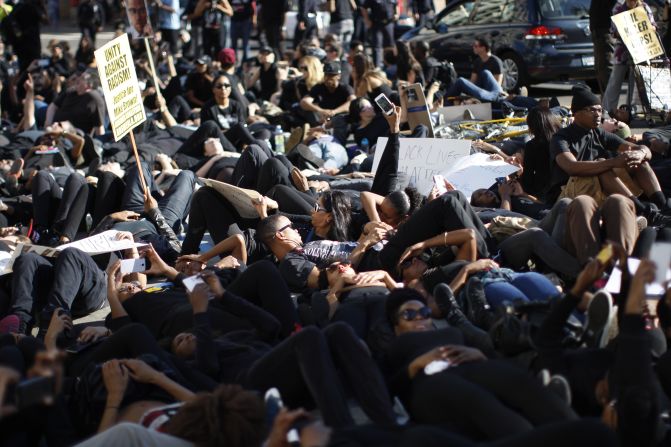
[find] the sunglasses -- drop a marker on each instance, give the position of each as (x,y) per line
(411,314)
(222,86)
(317,208)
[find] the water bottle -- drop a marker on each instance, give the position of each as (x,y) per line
(279,140)
(365,145)
(89,222)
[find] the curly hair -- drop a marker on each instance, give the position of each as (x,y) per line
(227,417)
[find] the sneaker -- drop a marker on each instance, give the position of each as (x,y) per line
(560,386)
(599,318)
(641,223)
(10,324)
(296,137)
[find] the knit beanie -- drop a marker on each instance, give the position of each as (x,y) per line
(583,97)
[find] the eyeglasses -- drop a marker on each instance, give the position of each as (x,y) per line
(289,225)
(303,68)
(594,109)
(222,86)
(317,208)
(411,314)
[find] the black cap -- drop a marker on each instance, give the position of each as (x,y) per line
(265,49)
(583,97)
(204,60)
(332,68)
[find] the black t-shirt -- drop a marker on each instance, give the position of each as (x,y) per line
(242,9)
(493,64)
(381,11)
(269,82)
(225,117)
(585,145)
(295,269)
(213,18)
(343,11)
(272,11)
(330,100)
(536,172)
(376,128)
(201,86)
(85,111)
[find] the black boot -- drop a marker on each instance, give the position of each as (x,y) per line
(479,311)
(448,306)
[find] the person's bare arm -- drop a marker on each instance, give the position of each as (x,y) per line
(308,104)
(225,7)
(51,111)
(469,269)
(235,245)
(203,170)
(313,279)
(344,107)
(568,163)
(369,203)
(252,77)
(499,78)
(116,309)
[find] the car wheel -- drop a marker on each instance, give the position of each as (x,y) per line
(514,71)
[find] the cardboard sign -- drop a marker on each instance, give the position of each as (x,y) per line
(477,171)
(615,280)
(418,110)
(240,198)
(638,34)
(422,158)
(119,82)
(456,113)
(105,242)
(657,86)
(138,19)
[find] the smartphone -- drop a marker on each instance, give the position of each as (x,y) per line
(36,391)
(660,254)
(191,282)
(439,181)
(383,102)
(133,265)
(605,255)
(43,63)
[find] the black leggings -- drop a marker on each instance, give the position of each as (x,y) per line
(262,284)
(108,195)
(62,211)
(485,400)
(210,211)
(304,366)
(258,169)
(449,212)
(292,201)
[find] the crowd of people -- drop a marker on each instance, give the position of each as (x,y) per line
(445,319)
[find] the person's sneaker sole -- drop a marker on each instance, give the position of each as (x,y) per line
(599,318)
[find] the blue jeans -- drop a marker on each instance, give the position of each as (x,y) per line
(528,286)
(486,90)
(241,29)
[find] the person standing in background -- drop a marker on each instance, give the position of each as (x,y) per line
(271,17)
(379,17)
(306,25)
(242,21)
(342,20)
(169,23)
(599,25)
(422,11)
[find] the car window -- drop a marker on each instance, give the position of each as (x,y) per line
(488,11)
(515,11)
(459,15)
(554,9)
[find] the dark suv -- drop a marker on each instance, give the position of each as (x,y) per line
(538,40)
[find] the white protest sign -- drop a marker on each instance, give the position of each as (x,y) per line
(638,34)
(456,113)
(240,198)
(422,158)
(477,171)
(615,279)
(105,242)
(120,87)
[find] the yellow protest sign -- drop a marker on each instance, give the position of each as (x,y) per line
(119,82)
(638,34)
